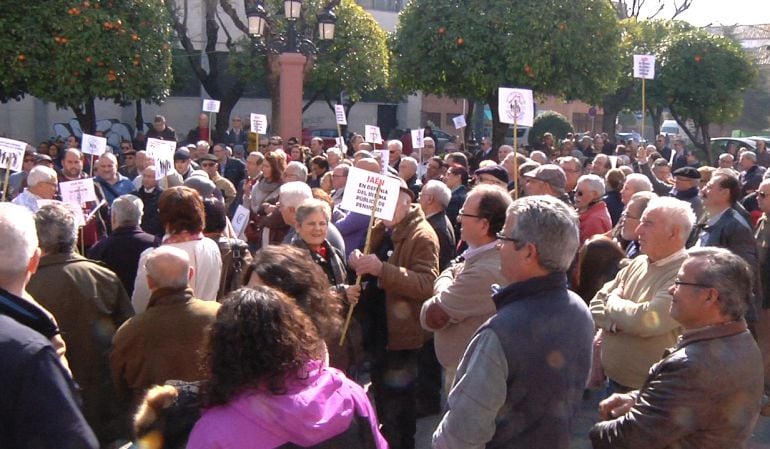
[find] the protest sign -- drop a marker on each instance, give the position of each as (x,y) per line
(382,158)
(418,138)
(258,123)
(459,121)
(644,66)
(162,152)
(360,190)
(240,219)
(372,134)
(93,145)
(210,105)
(78,192)
(339,112)
(11,154)
(516,106)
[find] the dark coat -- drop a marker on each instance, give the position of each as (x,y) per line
(235,171)
(120,252)
(455,204)
(167,134)
(446,238)
(151,219)
(704,394)
(90,303)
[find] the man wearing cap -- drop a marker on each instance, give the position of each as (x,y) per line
(400,273)
(129,168)
(160,130)
(210,165)
(686,184)
(492,174)
(548,179)
(182,163)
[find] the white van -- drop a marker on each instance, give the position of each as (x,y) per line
(672,128)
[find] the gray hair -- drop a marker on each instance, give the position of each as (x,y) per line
(426,139)
(439,190)
(750,155)
(729,275)
(334,150)
(18,240)
(300,168)
(638,182)
(409,161)
(676,213)
(127,210)
(595,183)
(397,143)
(256,155)
(56,229)
(110,157)
(293,193)
(168,266)
(726,156)
(344,168)
(311,206)
(539,220)
(39,174)
(202,143)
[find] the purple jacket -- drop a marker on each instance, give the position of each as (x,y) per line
(312,411)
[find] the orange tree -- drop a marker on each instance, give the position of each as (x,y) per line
(74,52)
(469,48)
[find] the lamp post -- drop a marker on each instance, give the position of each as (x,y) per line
(293,51)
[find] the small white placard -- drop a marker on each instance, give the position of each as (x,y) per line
(93,145)
(382,156)
(339,112)
(516,106)
(418,136)
(78,192)
(241,219)
(360,191)
(372,134)
(258,123)
(11,152)
(162,152)
(644,66)
(459,121)
(341,144)
(210,105)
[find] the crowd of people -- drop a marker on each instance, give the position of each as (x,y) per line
(507,288)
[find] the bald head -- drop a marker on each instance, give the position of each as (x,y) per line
(168,266)
(369,164)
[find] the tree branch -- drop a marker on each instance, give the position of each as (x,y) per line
(312,100)
(228,8)
(679,9)
(212,36)
(181,31)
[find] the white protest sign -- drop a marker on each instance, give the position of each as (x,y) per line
(162,152)
(360,190)
(78,192)
(93,145)
(372,134)
(339,112)
(240,219)
(418,138)
(210,105)
(341,144)
(77,212)
(516,105)
(258,123)
(11,152)
(382,157)
(459,121)
(644,66)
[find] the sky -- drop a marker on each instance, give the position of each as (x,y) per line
(716,12)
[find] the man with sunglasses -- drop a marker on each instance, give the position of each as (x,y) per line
(706,390)
(522,377)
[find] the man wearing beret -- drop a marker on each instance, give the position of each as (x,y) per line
(210,164)
(686,183)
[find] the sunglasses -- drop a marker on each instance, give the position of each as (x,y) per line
(209,164)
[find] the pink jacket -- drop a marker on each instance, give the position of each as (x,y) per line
(313,410)
(595,220)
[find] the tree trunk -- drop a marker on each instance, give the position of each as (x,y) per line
(468,129)
(498,129)
(656,114)
(86,117)
(609,118)
(139,120)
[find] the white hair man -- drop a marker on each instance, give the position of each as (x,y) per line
(521,379)
(42,184)
(706,389)
(291,195)
(426,153)
(120,251)
(407,170)
(173,327)
(334,156)
(630,219)
(751,173)
(404,263)
(80,292)
(39,396)
(461,302)
(433,199)
(632,311)
(295,171)
(635,182)
(395,149)
(594,216)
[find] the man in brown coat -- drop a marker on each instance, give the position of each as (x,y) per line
(404,265)
(90,303)
(163,342)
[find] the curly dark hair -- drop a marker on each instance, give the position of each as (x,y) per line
(290,270)
(260,340)
(181,209)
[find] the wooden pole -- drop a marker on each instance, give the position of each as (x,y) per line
(367,249)
(641,132)
(7,178)
(516,155)
(91,167)
(210,115)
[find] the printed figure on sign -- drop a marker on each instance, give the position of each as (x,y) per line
(7,159)
(516,103)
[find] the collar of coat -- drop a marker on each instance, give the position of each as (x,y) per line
(167,296)
(404,229)
(530,287)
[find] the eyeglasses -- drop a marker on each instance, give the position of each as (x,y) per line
(680,283)
(504,238)
(208,164)
(463,214)
(762,194)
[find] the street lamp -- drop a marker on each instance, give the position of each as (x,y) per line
(292,50)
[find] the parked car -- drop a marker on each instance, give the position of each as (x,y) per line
(327,134)
(719,145)
(522,134)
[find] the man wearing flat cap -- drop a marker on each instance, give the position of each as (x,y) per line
(492,174)
(686,184)
(210,164)
(548,179)
(400,272)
